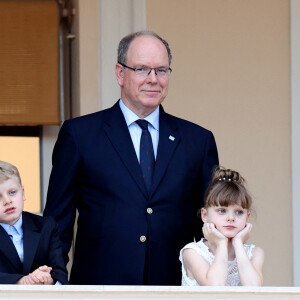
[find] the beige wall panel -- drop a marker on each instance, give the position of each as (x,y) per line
(24,153)
(231,74)
(86,61)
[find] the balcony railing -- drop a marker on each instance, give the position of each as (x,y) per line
(74,292)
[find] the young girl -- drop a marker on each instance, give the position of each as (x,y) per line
(221,257)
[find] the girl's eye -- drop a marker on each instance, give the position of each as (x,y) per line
(240,212)
(12,192)
(221,210)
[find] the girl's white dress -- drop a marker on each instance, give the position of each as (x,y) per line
(233,278)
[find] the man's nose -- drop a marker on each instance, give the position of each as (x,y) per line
(152,76)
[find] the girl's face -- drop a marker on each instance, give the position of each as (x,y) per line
(229,220)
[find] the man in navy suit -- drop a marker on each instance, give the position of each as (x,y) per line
(130,231)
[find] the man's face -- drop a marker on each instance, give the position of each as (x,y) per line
(144,94)
(11,201)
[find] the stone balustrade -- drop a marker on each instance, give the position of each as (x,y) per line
(74,292)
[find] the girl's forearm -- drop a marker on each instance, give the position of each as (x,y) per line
(248,274)
(218,272)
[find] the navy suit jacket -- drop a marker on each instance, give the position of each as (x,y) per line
(41,247)
(96,171)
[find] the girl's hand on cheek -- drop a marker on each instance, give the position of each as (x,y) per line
(212,234)
(243,235)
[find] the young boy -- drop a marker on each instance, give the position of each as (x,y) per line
(30,250)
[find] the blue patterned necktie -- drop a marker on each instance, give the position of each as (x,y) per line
(147,159)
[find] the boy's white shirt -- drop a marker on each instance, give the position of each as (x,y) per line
(16,234)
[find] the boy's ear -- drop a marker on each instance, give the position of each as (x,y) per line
(204,215)
(24,198)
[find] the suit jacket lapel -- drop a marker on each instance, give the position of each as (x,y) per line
(118,133)
(169,138)
(9,250)
(31,237)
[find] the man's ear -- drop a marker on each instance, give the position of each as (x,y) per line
(204,215)
(119,70)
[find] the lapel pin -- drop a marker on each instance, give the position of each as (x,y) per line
(171,138)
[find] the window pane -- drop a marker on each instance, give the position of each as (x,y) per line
(24,153)
(29,62)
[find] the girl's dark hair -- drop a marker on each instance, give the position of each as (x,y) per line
(227,187)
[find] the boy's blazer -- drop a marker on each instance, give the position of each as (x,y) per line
(41,247)
(96,170)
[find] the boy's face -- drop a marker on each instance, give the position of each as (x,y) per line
(11,200)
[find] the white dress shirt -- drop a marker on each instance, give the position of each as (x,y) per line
(136,131)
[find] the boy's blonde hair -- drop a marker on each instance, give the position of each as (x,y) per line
(8,170)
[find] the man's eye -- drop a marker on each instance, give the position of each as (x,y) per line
(141,70)
(161,71)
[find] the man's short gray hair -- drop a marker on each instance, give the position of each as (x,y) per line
(126,41)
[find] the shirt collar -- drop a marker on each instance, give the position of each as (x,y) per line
(131,117)
(17,226)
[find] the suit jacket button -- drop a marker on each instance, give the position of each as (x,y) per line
(142,238)
(149,210)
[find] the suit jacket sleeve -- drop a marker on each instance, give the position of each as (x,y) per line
(61,198)
(210,162)
(55,258)
(7,278)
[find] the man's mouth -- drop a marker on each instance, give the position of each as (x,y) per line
(151,91)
